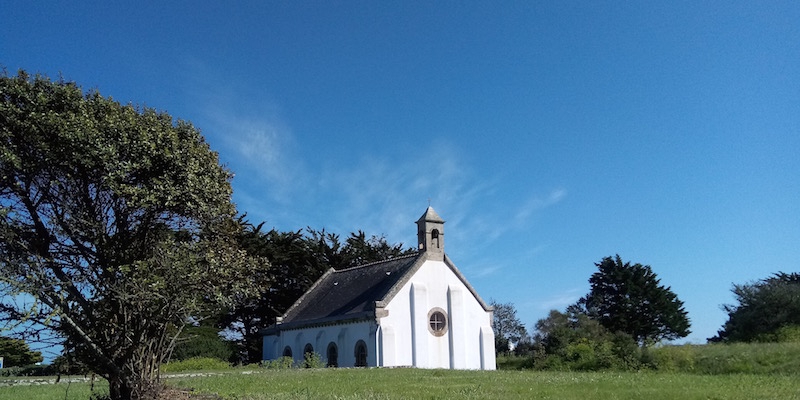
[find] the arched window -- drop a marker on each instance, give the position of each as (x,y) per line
(361,354)
(308,349)
(287,351)
(333,355)
(435,238)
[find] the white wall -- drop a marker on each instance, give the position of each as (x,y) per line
(469,342)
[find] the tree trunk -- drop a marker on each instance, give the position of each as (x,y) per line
(120,388)
(126,388)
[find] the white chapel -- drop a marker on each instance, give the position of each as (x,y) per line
(416,311)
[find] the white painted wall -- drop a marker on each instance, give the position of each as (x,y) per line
(403,338)
(344,335)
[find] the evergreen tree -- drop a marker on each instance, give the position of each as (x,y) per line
(630,299)
(17,353)
(767,310)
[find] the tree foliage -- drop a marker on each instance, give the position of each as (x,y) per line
(767,311)
(573,341)
(17,353)
(560,329)
(202,341)
(117,220)
(629,298)
(509,331)
(296,260)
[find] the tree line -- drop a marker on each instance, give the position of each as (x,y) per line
(296,259)
(628,310)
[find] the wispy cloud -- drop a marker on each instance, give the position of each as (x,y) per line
(560,301)
(260,146)
(484,271)
(501,222)
(378,193)
(253,140)
(537,203)
(384,195)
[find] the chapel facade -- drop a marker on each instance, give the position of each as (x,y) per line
(410,311)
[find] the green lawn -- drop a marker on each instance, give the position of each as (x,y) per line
(446,384)
(63,390)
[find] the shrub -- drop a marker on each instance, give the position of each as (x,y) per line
(513,362)
(280,363)
(312,360)
(29,370)
(11,371)
(785,334)
(202,342)
(581,356)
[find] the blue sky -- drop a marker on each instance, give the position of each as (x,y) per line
(547,134)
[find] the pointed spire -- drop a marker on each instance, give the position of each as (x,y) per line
(430,215)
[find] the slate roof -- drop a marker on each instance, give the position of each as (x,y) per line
(349,293)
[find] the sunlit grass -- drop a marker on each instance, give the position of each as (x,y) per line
(65,389)
(446,384)
(747,371)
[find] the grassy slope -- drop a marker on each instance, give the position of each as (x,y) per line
(446,384)
(759,358)
(742,371)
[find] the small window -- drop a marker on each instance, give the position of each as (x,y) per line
(361,354)
(437,322)
(333,355)
(308,349)
(435,238)
(287,351)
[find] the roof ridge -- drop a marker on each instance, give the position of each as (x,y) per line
(414,254)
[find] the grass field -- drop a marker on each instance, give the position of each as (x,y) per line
(739,371)
(39,391)
(445,384)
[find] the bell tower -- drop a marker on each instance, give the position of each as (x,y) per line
(430,234)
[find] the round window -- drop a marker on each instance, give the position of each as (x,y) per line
(437,321)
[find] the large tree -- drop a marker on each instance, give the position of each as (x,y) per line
(767,309)
(116,220)
(629,298)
